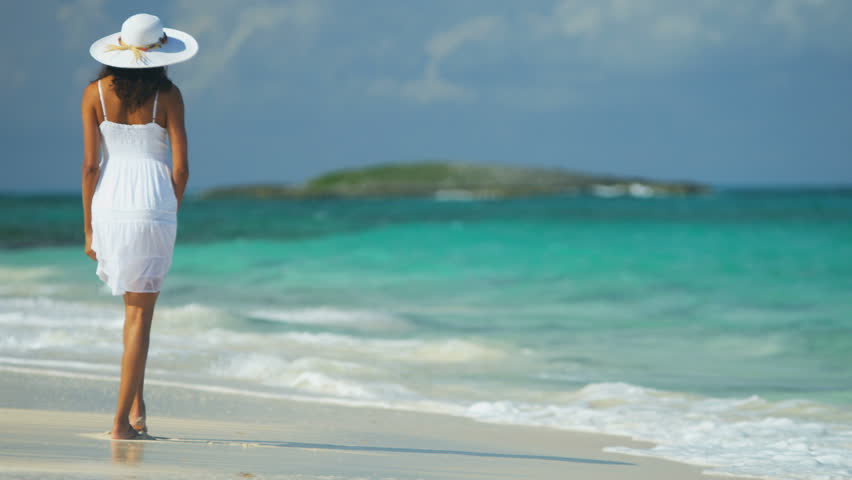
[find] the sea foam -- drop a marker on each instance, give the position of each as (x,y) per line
(736,436)
(330,316)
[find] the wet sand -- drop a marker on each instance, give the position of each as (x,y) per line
(54,427)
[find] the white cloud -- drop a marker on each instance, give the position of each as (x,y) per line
(443,44)
(427,89)
(576,20)
(630,33)
(267,17)
(431,86)
(227,29)
(664,33)
(800,18)
(83,22)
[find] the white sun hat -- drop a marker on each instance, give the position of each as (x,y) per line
(144,43)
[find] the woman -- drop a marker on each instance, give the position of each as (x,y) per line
(131,114)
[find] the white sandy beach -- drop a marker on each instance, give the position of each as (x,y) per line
(54,427)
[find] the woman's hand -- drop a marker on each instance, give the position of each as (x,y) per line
(88,249)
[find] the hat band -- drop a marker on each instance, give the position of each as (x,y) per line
(138,51)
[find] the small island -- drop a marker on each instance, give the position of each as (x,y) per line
(459,181)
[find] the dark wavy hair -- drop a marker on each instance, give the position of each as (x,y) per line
(134,86)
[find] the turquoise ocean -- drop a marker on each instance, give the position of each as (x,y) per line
(717,326)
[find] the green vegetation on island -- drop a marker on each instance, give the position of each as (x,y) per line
(451,180)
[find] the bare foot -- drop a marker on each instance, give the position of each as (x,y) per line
(139,424)
(137,417)
(124,432)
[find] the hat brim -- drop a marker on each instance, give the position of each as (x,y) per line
(180,47)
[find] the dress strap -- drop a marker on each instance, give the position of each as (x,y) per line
(101,93)
(156,96)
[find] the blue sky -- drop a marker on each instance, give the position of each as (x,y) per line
(725,92)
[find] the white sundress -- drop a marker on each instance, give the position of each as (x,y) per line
(134,209)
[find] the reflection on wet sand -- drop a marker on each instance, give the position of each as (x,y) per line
(128,453)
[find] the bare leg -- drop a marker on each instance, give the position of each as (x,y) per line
(138,314)
(137,410)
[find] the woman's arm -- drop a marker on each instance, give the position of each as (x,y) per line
(91,168)
(178,141)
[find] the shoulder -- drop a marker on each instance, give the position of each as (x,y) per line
(171,93)
(172,103)
(171,96)
(90,89)
(90,93)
